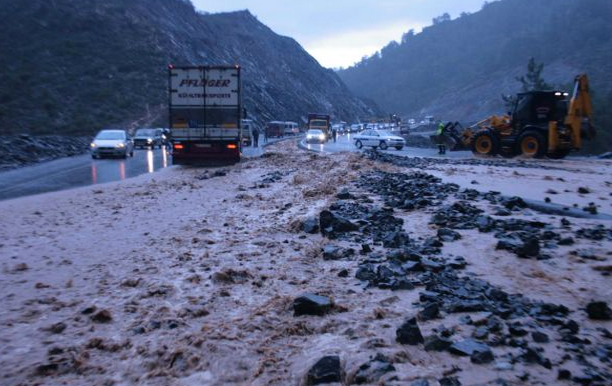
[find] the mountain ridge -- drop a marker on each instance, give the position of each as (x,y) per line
(74,67)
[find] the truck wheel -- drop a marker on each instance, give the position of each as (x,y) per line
(485,143)
(532,144)
(383,145)
(358,144)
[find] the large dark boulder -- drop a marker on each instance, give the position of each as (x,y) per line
(599,311)
(409,333)
(468,347)
(311,304)
(331,223)
(327,370)
(373,370)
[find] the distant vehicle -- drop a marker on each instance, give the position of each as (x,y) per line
(291,128)
(112,143)
(339,128)
(247,132)
(320,122)
(315,136)
(205,114)
(379,139)
(355,128)
(148,138)
(275,129)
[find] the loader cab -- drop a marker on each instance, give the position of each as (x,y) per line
(537,108)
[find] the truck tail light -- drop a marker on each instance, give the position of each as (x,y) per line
(178,146)
(232,146)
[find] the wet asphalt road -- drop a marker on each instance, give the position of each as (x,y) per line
(72,172)
(66,173)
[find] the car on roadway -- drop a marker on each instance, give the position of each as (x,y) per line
(148,138)
(315,136)
(112,143)
(379,139)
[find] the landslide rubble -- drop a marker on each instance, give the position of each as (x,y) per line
(297,269)
(497,327)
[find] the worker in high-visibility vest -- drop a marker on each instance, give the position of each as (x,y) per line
(441,138)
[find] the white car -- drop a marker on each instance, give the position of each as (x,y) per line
(379,138)
(112,143)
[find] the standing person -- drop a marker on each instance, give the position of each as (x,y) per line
(167,139)
(334,133)
(441,139)
(265,133)
(255,133)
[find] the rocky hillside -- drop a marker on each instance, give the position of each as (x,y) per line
(74,66)
(458,69)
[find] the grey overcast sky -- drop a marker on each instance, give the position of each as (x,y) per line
(339,33)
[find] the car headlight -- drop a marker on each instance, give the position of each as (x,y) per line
(93,145)
(120,145)
(322,136)
(149,140)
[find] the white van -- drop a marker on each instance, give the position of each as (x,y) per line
(291,128)
(247,132)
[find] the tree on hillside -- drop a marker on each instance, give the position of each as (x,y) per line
(441,19)
(533,80)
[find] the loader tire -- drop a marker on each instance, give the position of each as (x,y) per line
(532,144)
(485,143)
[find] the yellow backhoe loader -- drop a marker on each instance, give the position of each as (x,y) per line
(543,123)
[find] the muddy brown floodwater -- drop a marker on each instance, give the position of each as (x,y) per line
(187,277)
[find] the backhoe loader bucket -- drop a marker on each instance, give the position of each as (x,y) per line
(443,139)
(451,137)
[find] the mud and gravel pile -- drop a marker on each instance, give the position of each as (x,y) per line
(301,269)
(424,162)
(498,329)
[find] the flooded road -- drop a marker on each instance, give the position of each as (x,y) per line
(346,142)
(78,171)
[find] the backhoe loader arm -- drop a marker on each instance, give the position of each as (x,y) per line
(580,112)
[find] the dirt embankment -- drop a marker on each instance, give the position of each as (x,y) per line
(191,276)
(23,150)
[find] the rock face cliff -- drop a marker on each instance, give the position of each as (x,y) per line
(72,66)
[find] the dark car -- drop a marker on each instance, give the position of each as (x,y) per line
(148,138)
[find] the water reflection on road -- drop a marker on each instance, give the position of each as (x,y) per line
(103,171)
(77,171)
